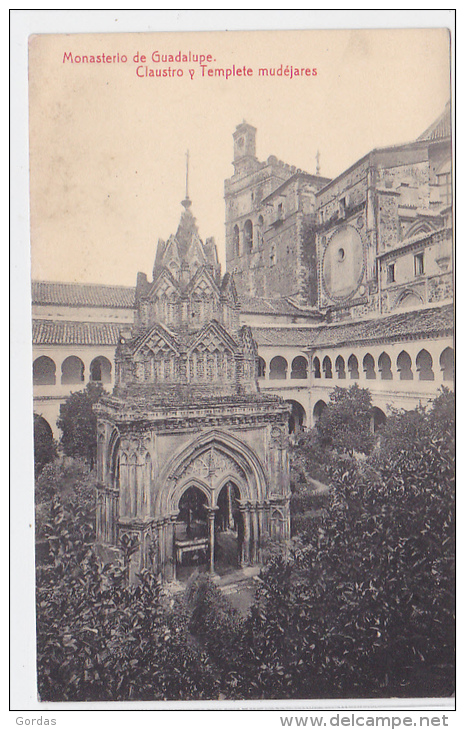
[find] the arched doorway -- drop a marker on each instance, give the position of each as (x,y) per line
(378,419)
(191,535)
(297,417)
(318,410)
(229,529)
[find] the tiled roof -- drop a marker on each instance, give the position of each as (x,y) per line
(284,336)
(395,327)
(82,295)
(48,332)
(258,305)
(440,128)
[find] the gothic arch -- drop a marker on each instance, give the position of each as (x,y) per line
(408,298)
(418,227)
(252,485)
(197,484)
(113,456)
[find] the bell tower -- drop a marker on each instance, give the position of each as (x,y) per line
(244,147)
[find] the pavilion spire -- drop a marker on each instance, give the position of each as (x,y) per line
(187,202)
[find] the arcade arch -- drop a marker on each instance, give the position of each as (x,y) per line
(446,362)
(340,368)
(43,371)
(299,368)
(72,370)
(318,409)
(424,363)
(278,368)
(404,366)
(352,366)
(100,370)
(297,418)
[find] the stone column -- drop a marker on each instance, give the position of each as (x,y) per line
(211,537)
(98,514)
(245,512)
(230,511)
(261,526)
(171,553)
(255,534)
(160,555)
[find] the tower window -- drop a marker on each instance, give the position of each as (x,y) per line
(248,235)
(419,263)
(343,204)
(236,241)
(280,212)
(391,273)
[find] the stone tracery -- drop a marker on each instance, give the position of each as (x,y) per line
(188,367)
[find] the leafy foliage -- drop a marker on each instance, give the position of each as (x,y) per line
(99,638)
(45,448)
(364,605)
(78,423)
(217,626)
(344,425)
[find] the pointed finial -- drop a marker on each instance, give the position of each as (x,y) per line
(317,157)
(187,201)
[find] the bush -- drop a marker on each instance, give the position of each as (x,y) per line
(216,625)
(78,423)
(309,460)
(99,638)
(345,424)
(69,481)
(45,447)
(364,606)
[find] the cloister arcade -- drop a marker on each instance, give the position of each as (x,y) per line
(72,371)
(57,372)
(308,379)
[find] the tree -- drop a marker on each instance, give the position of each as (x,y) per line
(364,606)
(78,423)
(345,424)
(99,638)
(45,449)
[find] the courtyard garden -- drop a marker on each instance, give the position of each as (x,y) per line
(360,603)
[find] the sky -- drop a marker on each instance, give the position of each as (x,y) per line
(108,142)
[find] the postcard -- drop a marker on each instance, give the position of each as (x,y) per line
(243,366)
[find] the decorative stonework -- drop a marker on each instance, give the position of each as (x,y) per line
(187,369)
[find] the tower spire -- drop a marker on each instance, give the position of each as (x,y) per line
(187,201)
(317,157)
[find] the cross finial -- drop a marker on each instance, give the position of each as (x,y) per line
(317,157)
(187,201)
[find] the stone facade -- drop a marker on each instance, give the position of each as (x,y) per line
(270,217)
(189,452)
(384,236)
